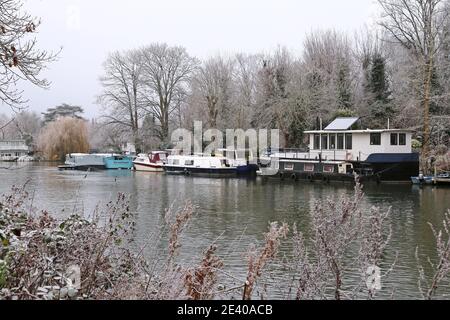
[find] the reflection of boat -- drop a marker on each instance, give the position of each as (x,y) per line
(117,162)
(152,162)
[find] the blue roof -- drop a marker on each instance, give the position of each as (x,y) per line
(342,124)
(393,157)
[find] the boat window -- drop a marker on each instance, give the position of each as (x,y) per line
(332,142)
(309,167)
(340,141)
(328,169)
(176,162)
(162,156)
(394,139)
(349,141)
(189,163)
(289,166)
(375,139)
(324,141)
(316,142)
(402,139)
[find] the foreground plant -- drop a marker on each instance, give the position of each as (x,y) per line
(77,258)
(340,230)
(257,260)
(441,269)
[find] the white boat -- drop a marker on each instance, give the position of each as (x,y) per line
(208,165)
(26,159)
(153,162)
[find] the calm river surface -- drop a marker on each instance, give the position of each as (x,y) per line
(235,212)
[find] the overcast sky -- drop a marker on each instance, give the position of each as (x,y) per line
(89,29)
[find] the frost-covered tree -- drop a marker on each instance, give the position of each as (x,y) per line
(20,58)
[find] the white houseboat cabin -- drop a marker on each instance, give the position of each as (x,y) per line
(338,152)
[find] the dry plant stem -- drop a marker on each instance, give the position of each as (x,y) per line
(258,260)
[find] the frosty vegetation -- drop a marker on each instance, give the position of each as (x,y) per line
(39,256)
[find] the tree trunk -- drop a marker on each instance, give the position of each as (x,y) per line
(426,112)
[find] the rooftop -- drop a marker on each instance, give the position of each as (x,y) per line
(342,124)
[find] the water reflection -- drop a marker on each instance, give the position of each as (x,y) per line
(236,212)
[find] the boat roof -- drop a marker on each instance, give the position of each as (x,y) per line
(342,124)
(359,131)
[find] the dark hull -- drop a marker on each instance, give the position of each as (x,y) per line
(221,172)
(82,168)
(379,168)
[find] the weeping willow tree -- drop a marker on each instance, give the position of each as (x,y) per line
(62,137)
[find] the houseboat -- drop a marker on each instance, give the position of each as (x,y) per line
(153,162)
(118,162)
(84,162)
(223,163)
(12,150)
(340,152)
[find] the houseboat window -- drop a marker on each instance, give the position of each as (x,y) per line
(309,167)
(340,141)
(349,141)
(332,141)
(176,162)
(375,139)
(289,166)
(324,142)
(316,142)
(394,139)
(402,139)
(328,169)
(189,163)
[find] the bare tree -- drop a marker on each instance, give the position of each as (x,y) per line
(329,73)
(213,82)
(122,92)
(245,79)
(417,25)
(166,73)
(19,57)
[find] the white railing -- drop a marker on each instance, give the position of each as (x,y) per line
(324,155)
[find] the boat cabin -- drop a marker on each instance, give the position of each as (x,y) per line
(340,143)
(341,150)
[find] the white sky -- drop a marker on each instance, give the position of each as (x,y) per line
(89,29)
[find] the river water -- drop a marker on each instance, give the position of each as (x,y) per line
(235,213)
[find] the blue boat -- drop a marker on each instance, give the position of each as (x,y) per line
(118,162)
